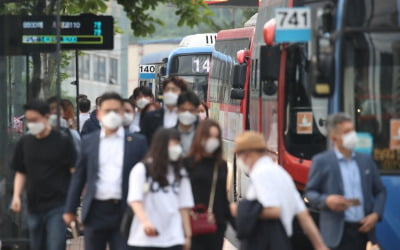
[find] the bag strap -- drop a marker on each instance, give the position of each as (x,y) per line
(213,188)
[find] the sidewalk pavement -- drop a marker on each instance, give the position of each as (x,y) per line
(77,244)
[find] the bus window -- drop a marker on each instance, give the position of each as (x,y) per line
(371,90)
(224,58)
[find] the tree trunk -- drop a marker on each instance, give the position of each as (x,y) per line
(36,82)
(49,70)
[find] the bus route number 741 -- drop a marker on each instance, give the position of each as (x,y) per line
(293,25)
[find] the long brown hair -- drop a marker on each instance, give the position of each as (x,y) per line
(197,151)
(157,159)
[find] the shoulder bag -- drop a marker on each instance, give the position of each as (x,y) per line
(202,219)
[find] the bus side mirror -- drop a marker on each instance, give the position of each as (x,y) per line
(270,58)
(237,94)
(322,68)
(239,75)
(239,79)
(163,71)
(322,64)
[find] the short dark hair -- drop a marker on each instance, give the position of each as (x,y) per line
(335,119)
(82,96)
(39,106)
(51,100)
(146,91)
(84,105)
(128,101)
(188,96)
(177,81)
(204,104)
(98,99)
(110,96)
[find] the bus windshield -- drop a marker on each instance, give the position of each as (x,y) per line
(305,133)
(371,92)
(373,14)
(197,84)
(194,68)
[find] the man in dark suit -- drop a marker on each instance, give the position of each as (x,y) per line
(166,117)
(92,124)
(346,187)
(106,159)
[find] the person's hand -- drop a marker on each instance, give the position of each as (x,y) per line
(337,203)
(322,247)
(16,204)
(233,208)
(149,229)
(368,222)
(68,218)
(188,243)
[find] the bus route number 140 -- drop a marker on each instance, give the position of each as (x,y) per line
(147,69)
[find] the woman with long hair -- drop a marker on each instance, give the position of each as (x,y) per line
(161,197)
(205,155)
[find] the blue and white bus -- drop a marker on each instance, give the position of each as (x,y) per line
(191,61)
(152,69)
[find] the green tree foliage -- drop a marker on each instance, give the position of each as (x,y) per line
(190,12)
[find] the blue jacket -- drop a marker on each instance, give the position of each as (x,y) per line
(88,166)
(325,179)
(92,124)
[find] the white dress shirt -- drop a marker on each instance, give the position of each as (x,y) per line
(83,117)
(170,117)
(111,154)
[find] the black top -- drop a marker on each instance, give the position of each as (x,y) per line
(46,163)
(152,120)
(201,175)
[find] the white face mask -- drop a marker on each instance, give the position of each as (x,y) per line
(242,165)
(211,145)
(112,120)
(142,102)
(128,119)
(170,98)
(174,152)
(350,140)
(187,118)
(53,121)
(36,128)
(202,116)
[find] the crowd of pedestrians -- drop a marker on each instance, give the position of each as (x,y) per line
(163,163)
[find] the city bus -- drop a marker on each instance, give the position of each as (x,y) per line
(349,63)
(191,61)
(152,69)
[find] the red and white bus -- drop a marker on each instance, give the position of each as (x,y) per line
(286,88)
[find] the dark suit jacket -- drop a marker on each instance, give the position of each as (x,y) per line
(325,179)
(258,234)
(92,124)
(88,167)
(151,122)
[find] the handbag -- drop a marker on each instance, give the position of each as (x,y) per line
(126,222)
(202,219)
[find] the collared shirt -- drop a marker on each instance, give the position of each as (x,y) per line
(351,186)
(82,119)
(272,186)
(136,121)
(186,139)
(170,117)
(111,154)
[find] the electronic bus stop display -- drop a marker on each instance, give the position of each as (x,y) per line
(191,64)
(26,34)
